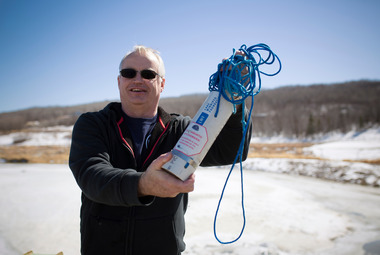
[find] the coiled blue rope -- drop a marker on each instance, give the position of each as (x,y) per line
(237,78)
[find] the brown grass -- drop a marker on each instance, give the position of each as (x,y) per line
(35,154)
(60,154)
(280,150)
(289,150)
(375,161)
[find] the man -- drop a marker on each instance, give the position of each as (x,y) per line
(129,204)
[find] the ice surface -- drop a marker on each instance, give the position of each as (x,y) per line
(285,214)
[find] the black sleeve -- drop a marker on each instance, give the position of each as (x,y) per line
(90,163)
(225,147)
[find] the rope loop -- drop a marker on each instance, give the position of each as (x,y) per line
(236,79)
(238,76)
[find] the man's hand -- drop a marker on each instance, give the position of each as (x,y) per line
(157,182)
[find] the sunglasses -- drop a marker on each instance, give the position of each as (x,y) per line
(145,74)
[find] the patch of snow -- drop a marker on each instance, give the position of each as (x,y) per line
(59,135)
(286,214)
(354,145)
(334,170)
(347,150)
(370,134)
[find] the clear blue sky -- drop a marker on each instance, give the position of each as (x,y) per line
(67,52)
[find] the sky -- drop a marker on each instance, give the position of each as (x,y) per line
(62,53)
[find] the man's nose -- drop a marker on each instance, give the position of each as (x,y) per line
(138,77)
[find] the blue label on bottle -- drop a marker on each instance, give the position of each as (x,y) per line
(202,118)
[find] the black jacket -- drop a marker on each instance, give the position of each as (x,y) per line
(114,220)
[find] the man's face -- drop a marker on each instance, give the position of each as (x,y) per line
(139,97)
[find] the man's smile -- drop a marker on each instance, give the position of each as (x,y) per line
(137,90)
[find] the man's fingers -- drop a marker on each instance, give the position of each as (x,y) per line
(189,184)
(157,182)
(161,160)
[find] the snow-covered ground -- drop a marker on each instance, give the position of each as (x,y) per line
(286,214)
(337,152)
(370,134)
(60,135)
(363,145)
(354,145)
(334,170)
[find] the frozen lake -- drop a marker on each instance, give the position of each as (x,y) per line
(285,214)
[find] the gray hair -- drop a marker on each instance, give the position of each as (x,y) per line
(142,50)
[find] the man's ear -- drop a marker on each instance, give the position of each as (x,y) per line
(162,84)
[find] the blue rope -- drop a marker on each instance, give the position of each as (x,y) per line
(235,80)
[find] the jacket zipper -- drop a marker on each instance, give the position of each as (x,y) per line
(156,143)
(131,221)
(122,137)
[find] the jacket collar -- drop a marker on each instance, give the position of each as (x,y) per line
(115,107)
(159,130)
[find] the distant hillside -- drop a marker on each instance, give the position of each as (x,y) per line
(308,110)
(45,116)
(292,111)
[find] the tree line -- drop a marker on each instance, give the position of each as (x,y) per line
(304,111)
(299,111)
